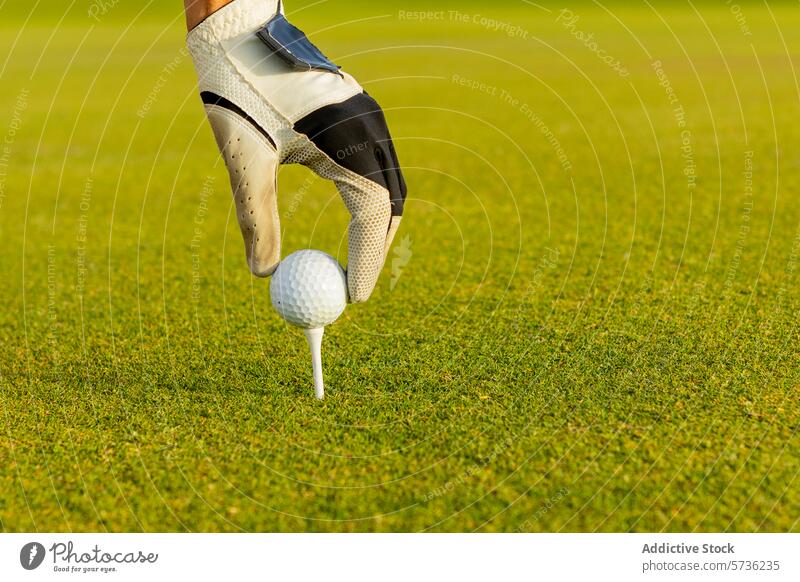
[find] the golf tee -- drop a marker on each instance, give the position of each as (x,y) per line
(314,338)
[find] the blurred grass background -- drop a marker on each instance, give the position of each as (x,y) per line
(575,334)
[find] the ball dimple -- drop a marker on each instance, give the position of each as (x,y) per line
(309,289)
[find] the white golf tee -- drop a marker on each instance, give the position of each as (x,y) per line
(314,338)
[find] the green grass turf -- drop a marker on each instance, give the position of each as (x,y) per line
(596,342)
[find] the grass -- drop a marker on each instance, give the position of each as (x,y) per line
(584,338)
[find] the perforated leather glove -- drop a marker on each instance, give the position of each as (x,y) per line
(265,110)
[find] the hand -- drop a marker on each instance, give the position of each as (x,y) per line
(265,112)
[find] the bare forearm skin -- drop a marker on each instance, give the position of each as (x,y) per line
(199,10)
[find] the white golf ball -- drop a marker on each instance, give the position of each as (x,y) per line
(309,289)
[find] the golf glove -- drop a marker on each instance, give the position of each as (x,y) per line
(272,98)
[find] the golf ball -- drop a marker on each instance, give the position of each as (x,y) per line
(309,289)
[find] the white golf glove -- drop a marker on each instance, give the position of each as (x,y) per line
(291,105)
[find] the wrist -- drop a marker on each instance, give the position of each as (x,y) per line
(198,10)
